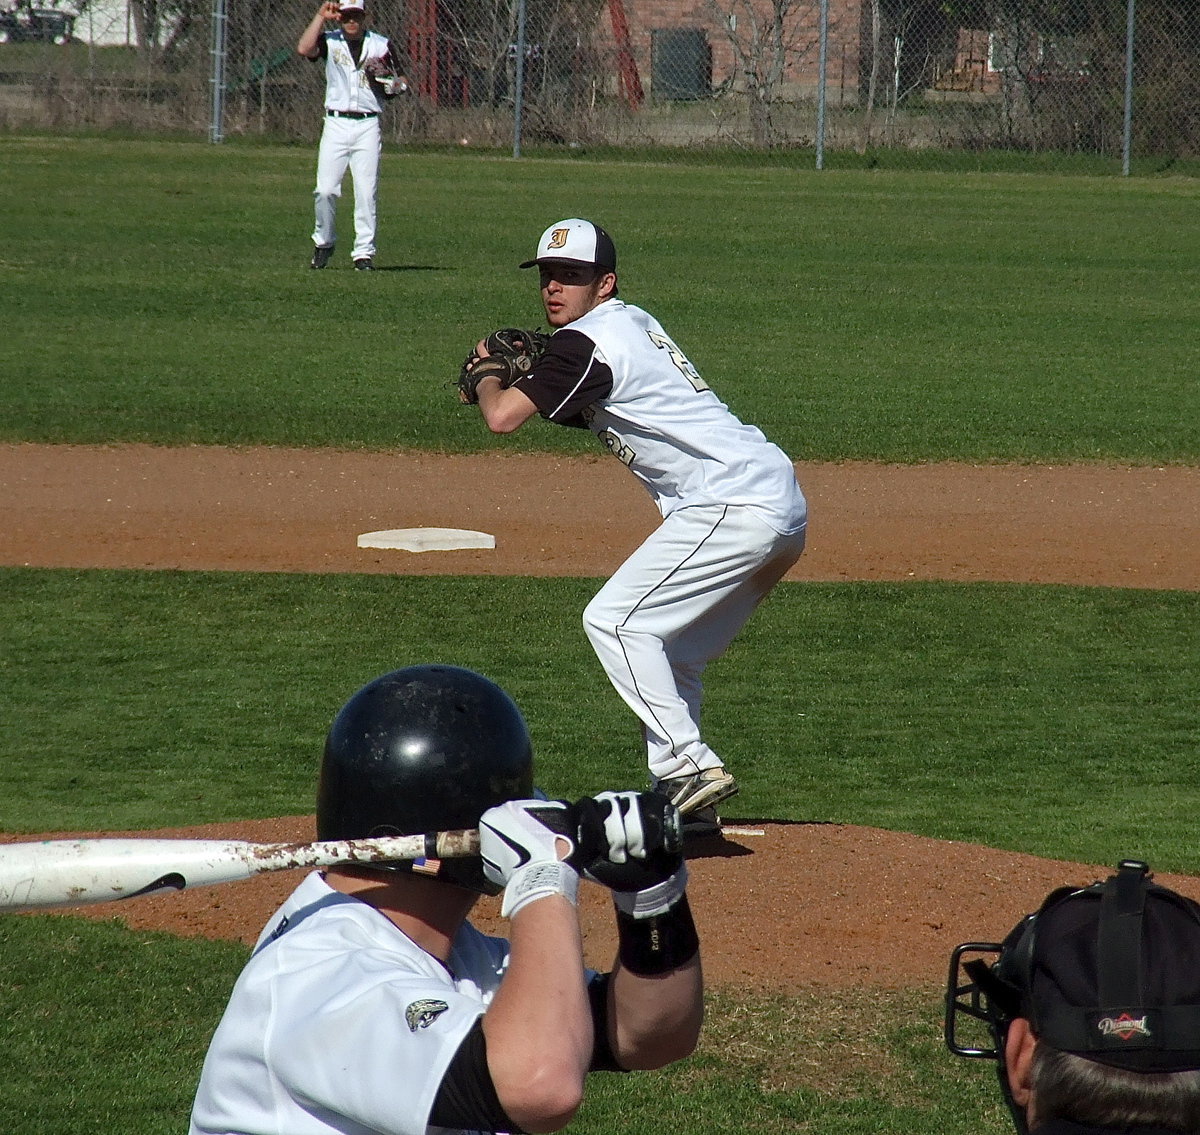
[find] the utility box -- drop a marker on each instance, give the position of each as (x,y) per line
(680,64)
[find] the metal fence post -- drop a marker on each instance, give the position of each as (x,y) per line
(822,61)
(217,119)
(1127,141)
(519,79)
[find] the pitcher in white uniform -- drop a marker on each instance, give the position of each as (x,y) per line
(372,1006)
(733,513)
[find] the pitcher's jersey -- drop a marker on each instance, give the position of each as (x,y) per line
(341,1023)
(617,371)
(347,85)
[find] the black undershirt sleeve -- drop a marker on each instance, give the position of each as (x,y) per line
(467,1097)
(603,1059)
(567,379)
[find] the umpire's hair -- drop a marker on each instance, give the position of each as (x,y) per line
(1078,1090)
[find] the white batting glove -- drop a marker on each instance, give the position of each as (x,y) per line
(518,842)
(623,826)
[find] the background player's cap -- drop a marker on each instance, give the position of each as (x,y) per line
(575,241)
(352,6)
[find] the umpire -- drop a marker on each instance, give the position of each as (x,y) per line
(1093,1008)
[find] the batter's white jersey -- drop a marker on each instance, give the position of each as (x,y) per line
(681,441)
(341,1024)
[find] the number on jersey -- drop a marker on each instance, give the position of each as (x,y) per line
(679,359)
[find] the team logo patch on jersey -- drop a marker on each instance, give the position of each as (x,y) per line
(558,238)
(421,1014)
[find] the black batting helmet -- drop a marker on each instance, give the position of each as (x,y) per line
(423,749)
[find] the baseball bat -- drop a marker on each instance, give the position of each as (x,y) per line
(79,872)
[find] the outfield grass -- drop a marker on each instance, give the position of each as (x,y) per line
(158,292)
(1052,720)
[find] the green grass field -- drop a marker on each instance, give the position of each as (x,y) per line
(1050,720)
(158,292)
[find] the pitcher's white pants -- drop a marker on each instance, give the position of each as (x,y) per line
(353,143)
(671,608)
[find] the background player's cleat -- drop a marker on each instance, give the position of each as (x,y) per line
(321,255)
(364,264)
(699,790)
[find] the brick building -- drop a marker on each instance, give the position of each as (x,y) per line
(688,48)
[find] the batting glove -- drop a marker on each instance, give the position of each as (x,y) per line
(631,842)
(518,842)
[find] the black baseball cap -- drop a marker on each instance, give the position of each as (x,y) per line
(1114,974)
(576,241)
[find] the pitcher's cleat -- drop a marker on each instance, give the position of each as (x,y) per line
(698,790)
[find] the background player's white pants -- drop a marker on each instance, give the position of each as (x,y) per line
(353,143)
(671,608)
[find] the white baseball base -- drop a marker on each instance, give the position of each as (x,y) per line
(427,539)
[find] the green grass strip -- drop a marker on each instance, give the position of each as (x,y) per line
(1051,720)
(851,313)
(105,1029)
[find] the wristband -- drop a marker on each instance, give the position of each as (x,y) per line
(660,943)
(657,899)
(537,881)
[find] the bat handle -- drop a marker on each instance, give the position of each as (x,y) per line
(452,844)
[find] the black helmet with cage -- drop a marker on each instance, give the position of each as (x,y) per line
(1109,973)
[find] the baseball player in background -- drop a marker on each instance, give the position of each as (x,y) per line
(371,1004)
(733,514)
(1092,1007)
(362,71)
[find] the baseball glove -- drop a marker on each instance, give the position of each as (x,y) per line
(387,74)
(511,353)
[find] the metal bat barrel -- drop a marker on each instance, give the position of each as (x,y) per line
(57,873)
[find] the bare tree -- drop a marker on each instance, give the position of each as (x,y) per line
(169,33)
(767,38)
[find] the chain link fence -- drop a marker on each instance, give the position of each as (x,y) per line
(1099,77)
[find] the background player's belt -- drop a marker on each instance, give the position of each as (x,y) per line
(352,113)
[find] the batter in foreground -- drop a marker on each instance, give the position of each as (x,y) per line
(372,1005)
(733,515)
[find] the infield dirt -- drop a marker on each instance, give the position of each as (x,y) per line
(801,904)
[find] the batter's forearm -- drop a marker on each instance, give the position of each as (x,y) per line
(654,1021)
(539,1024)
